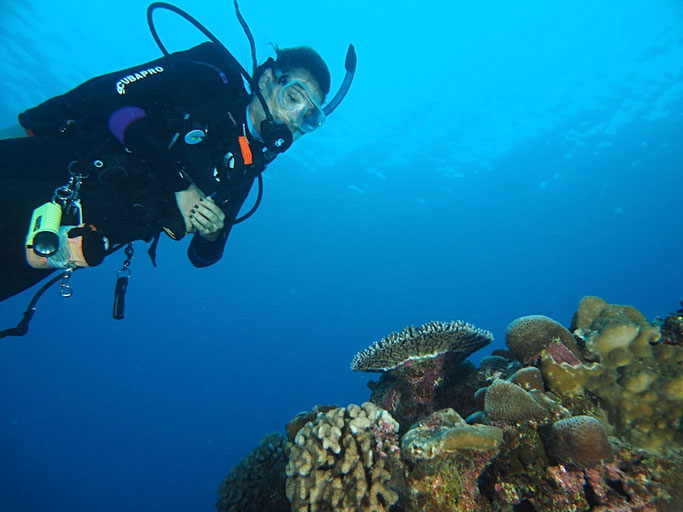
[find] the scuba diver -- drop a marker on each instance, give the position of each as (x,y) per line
(169,146)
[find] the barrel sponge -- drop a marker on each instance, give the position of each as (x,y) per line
(527,336)
(425,341)
(257,483)
(579,441)
(343,461)
(507,403)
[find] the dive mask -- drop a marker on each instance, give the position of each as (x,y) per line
(296,98)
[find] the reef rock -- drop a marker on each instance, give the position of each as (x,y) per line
(444,458)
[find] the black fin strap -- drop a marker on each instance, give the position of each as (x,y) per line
(152,250)
(22,327)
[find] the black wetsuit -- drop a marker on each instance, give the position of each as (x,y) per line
(142,134)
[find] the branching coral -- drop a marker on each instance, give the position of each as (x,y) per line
(343,461)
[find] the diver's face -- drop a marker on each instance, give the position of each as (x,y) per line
(293,99)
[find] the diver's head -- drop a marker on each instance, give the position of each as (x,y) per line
(294,86)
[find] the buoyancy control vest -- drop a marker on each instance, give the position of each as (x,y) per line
(147,135)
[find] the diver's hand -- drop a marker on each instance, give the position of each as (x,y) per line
(207,218)
(201,214)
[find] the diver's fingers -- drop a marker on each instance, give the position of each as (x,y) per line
(202,224)
(210,234)
(211,212)
(201,211)
(213,207)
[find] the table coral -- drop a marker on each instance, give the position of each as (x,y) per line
(422,367)
(424,341)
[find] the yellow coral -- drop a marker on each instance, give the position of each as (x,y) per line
(639,382)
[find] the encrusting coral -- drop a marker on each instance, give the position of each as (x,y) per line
(343,461)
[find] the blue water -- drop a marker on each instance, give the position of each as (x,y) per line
(493,159)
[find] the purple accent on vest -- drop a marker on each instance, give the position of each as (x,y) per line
(120,120)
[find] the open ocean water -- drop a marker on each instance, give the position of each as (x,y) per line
(492,159)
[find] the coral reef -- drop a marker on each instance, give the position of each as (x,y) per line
(591,423)
(257,483)
(342,461)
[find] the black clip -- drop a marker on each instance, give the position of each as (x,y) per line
(122,277)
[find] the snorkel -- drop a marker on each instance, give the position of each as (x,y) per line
(277,137)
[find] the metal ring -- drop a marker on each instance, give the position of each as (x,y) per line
(122,271)
(63,192)
(76,173)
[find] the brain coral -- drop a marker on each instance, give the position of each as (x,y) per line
(506,402)
(527,336)
(528,378)
(580,441)
(257,483)
(343,460)
(425,341)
